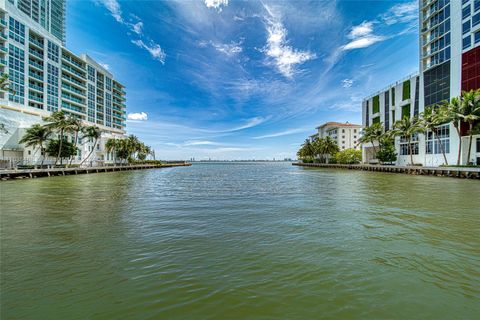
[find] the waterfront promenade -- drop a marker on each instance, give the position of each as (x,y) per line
(455,172)
(36,173)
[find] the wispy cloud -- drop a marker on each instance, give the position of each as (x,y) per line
(347,83)
(282,133)
(135,24)
(153,48)
(401,13)
(284,57)
(138,116)
(200,143)
(253,122)
(216,4)
(362,36)
(229,49)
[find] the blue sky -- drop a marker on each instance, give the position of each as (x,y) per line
(227,79)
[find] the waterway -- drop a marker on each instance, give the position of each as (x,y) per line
(240,241)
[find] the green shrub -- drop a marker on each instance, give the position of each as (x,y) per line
(348,156)
(386,152)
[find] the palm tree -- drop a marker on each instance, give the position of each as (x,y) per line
(111,146)
(471,113)
(91,132)
(451,111)
(330,147)
(407,128)
(59,122)
(75,126)
(371,134)
(306,150)
(5,84)
(430,120)
(36,136)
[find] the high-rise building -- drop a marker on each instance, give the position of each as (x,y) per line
(449,63)
(47,77)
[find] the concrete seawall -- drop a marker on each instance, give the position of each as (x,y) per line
(465,173)
(37,173)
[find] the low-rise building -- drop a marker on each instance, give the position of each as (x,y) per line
(346,135)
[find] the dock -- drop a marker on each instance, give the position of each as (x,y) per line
(454,172)
(37,173)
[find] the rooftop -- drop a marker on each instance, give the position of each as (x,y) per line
(339,124)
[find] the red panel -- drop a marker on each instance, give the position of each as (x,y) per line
(471,69)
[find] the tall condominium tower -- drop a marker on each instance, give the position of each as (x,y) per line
(449,63)
(47,77)
(50,14)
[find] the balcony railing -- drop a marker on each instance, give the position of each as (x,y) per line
(36,54)
(35,87)
(36,76)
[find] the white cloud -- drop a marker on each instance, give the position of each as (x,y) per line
(284,57)
(229,49)
(105,66)
(401,13)
(282,133)
(139,116)
(250,123)
(153,48)
(200,143)
(137,27)
(347,83)
(114,7)
(362,36)
(216,4)
(364,29)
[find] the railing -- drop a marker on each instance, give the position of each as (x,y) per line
(35,98)
(75,63)
(73,89)
(36,42)
(4,62)
(68,78)
(36,65)
(36,76)
(36,54)
(34,86)
(75,72)
(69,97)
(72,107)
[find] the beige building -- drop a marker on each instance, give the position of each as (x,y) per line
(346,134)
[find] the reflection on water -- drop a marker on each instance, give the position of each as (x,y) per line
(260,240)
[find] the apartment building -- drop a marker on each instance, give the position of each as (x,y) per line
(346,134)
(449,45)
(47,77)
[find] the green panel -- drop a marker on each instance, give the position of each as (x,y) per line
(393,96)
(406,90)
(376,104)
(376,120)
(406,111)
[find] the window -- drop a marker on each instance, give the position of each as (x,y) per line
(476,19)
(393,96)
(16,31)
(466,26)
(476,5)
(53,51)
(437,84)
(406,111)
(432,145)
(467,42)
(466,12)
(354,130)
(478,145)
(376,120)
(343,130)
(16,63)
(393,116)
(343,137)
(405,148)
(367,116)
(406,90)
(477,37)
(91,73)
(376,104)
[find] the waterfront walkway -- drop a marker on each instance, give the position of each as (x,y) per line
(36,173)
(460,172)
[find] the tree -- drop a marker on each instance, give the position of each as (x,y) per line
(76,127)
(450,111)
(36,136)
(5,84)
(111,146)
(330,147)
(371,134)
(386,151)
(91,132)
(431,118)
(306,151)
(59,122)
(407,128)
(348,156)
(470,109)
(66,148)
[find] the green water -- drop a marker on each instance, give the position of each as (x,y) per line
(240,241)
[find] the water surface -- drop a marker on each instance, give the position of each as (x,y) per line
(240,241)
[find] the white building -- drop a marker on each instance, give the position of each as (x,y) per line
(47,77)
(346,134)
(449,64)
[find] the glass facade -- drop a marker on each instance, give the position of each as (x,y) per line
(432,144)
(437,84)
